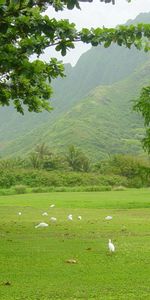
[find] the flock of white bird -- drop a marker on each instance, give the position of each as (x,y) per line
(53,219)
(111,246)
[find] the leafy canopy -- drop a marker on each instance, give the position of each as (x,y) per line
(25,30)
(142,105)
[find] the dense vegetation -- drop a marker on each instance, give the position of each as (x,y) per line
(43,170)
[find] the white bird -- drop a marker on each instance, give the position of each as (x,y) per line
(19,213)
(70,218)
(53,219)
(79,218)
(41,225)
(108,218)
(52,205)
(45,214)
(111,246)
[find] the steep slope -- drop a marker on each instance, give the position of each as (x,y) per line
(100,124)
(97,66)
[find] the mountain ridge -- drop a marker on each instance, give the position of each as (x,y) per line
(99,107)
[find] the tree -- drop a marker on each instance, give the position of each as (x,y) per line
(77,160)
(25,30)
(135,169)
(39,155)
(55,162)
(142,105)
(12,163)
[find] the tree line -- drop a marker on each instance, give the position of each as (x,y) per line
(75,160)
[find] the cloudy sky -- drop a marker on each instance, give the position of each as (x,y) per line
(97,14)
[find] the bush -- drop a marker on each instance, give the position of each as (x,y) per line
(135,182)
(93,188)
(82,189)
(38,190)
(114,180)
(20,189)
(119,188)
(72,189)
(43,189)
(7,178)
(40,180)
(62,189)
(6,192)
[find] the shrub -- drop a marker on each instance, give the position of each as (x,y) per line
(38,179)
(83,189)
(72,189)
(38,190)
(119,188)
(61,189)
(93,188)
(20,189)
(5,192)
(135,182)
(6,178)
(114,180)
(42,189)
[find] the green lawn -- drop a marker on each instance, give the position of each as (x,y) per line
(34,260)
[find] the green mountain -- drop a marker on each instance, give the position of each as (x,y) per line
(101,123)
(92,107)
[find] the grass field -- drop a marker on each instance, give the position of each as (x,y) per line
(33,261)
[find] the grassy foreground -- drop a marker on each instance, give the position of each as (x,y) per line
(33,261)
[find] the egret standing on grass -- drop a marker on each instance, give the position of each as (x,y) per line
(70,217)
(53,219)
(52,205)
(111,246)
(45,214)
(108,218)
(41,225)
